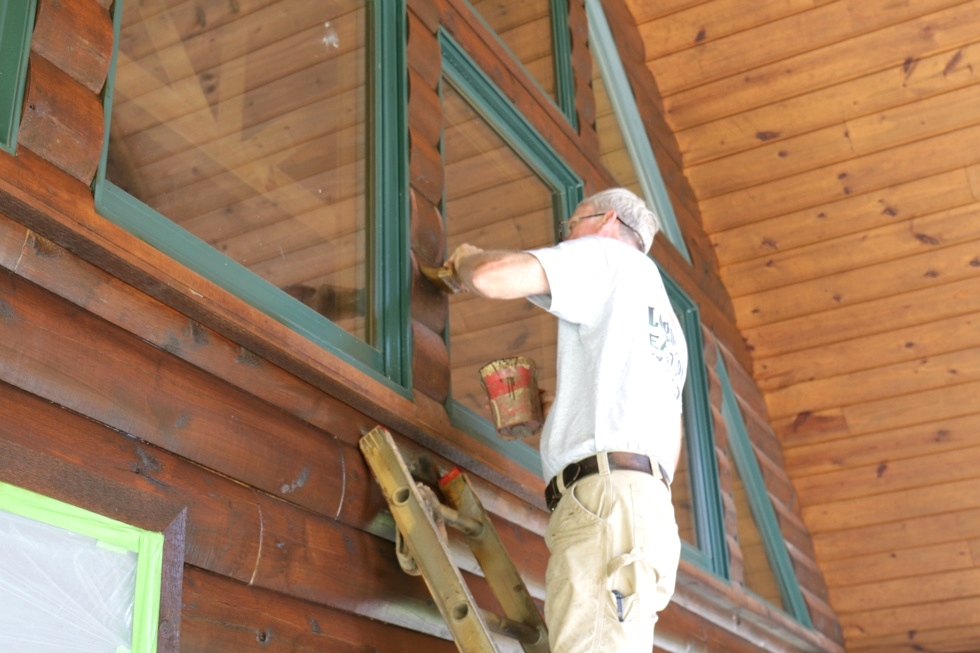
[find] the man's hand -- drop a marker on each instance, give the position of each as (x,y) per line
(460,253)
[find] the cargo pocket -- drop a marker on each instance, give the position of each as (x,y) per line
(630,622)
(634,582)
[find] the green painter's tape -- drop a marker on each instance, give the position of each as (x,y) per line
(147,545)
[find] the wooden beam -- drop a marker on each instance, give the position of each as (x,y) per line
(890,474)
(902,443)
(905,534)
(899,563)
(225,616)
(891,621)
(950,496)
(836,62)
(837,143)
(951,264)
(868,318)
(875,416)
(895,380)
(874,246)
(921,78)
(864,174)
(707,22)
(62,120)
(853,214)
(914,640)
(76,37)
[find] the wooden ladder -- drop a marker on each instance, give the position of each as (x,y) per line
(469,624)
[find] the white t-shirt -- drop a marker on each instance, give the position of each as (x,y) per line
(622,358)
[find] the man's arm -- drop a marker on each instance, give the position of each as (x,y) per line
(499,274)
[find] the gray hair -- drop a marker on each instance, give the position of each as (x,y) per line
(632,212)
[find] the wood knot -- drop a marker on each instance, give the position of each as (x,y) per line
(43,247)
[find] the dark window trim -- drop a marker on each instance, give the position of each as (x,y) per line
(631,123)
(711,552)
(16,23)
(561,38)
(760,502)
(561,51)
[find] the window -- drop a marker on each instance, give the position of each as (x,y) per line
(16,21)
(494,199)
(695,490)
(626,150)
(505,187)
(74,580)
(770,576)
(537,33)
(256,143)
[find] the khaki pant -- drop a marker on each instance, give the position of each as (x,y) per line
(614,555)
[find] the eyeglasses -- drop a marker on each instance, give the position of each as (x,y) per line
(567,225)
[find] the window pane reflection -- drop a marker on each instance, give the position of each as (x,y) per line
(758,574)
(680,493)
(612,144)
(244,122)
(525,27)
(493,201)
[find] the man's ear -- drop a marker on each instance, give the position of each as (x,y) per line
(608,223)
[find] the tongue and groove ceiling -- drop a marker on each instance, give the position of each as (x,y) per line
(834,148)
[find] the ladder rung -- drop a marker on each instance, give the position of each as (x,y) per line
(469,624)
(514,629)
(452,517)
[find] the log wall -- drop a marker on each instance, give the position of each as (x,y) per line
(133,387)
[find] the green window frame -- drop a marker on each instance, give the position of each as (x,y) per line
(566,187)
(147,545)
(16,22)
(561,50)
(628,114)
(386,356)
(760,503)
(711,552)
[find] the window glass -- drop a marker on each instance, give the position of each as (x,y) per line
(694,491)
(629,130)
(612,144)
(244,123)
(768,569)
(758,573)
(495,201)
(683,499)
(525,28)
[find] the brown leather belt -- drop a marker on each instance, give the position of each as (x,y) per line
(587,466)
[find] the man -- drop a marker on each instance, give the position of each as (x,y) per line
(612,438)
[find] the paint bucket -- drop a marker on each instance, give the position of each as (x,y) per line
(512,387)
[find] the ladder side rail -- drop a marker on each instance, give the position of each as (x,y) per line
(446,584)
(499,570)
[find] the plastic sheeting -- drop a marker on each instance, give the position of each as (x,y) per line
(61,591)
(74,581)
